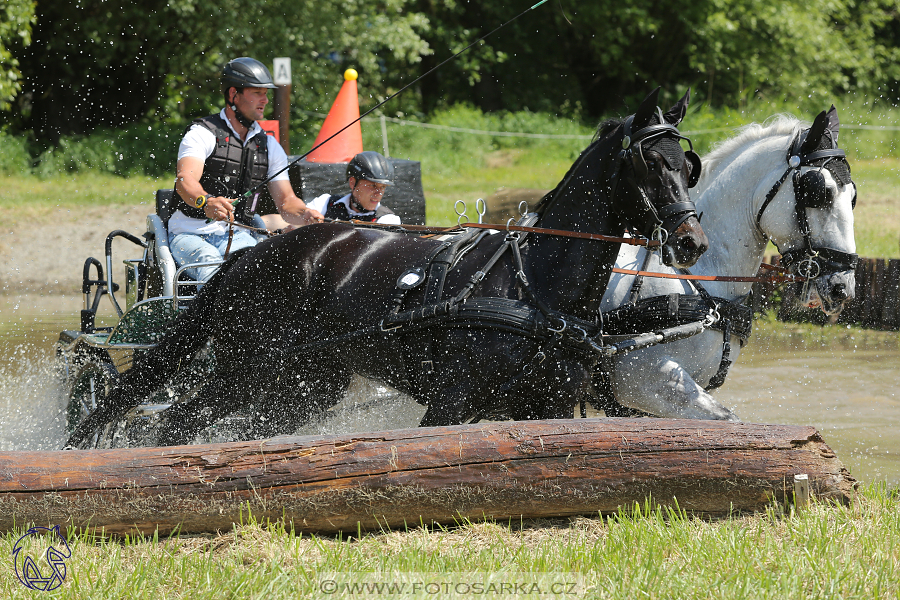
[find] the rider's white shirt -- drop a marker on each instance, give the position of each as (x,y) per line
(200,142)
(321,204)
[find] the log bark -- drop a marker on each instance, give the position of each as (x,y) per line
(406,477)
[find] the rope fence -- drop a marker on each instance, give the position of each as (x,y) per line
(550,136)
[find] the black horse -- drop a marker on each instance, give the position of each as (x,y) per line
(483,325)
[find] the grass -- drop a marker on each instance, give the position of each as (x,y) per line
(30,197)
(826,551)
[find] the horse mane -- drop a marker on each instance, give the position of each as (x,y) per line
(603,129)
(606,127)
(776,125)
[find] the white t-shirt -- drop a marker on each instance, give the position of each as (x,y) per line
(321,205)
(200,142)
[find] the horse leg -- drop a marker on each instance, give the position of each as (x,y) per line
(448,407)
(296,399)
(661,386)
(221,396)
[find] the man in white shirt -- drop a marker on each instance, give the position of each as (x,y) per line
(368,174)
(220,158)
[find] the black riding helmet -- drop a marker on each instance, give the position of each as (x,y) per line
(371,166)
(242,73)
(246,72)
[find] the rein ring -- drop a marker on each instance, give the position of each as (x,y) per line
(561,329)
(660,235)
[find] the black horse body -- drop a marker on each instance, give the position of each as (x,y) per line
(267,310)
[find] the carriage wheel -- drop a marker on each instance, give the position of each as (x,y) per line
(90,387)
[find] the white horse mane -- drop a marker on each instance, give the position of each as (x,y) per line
(780,124)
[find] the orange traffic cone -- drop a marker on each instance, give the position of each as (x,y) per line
(345,110)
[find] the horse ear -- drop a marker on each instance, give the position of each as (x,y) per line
(832,123)
(646,110)
(675,115)
(815,134)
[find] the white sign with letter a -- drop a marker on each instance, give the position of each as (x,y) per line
(282,71)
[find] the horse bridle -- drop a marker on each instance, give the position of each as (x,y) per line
(667,219)
(810,191)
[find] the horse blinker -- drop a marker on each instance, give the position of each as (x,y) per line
(811,190)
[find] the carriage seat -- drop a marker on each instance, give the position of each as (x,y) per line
(166,205)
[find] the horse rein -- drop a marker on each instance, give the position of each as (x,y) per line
(780,276)
(425,229)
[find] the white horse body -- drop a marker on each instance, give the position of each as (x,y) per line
(669,380)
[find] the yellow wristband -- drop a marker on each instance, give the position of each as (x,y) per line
(200,202)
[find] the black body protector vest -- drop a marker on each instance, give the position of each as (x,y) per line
(231,169)
(338,211)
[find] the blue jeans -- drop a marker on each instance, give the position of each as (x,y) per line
(192,248)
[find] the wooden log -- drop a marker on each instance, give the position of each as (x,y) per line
(430,475)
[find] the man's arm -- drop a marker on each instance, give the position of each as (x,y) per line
(291,208)
(188,171)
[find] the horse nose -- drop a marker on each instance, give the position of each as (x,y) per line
(692,245)
(839,292)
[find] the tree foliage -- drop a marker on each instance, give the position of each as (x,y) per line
(16,18)
(604,55)
(109,63)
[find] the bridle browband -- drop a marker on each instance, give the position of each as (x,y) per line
(664,220)
(810,260)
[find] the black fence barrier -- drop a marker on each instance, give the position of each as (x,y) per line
(876,305)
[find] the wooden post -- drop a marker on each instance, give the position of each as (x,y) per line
(282,105)
(801,491)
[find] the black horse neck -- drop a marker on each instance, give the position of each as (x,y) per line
(570,275)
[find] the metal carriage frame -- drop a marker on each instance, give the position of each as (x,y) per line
(156,290)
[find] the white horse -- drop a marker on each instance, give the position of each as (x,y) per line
(766,183)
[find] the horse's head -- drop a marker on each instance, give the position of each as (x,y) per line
(654,176)
(812,223)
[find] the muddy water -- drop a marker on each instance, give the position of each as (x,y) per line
(851,396)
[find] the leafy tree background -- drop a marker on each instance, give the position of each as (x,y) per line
(16,19)
(108,64)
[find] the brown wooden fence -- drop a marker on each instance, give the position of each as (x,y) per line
(876,306)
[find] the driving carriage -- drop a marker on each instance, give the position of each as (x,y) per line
(477,314)
(157,289)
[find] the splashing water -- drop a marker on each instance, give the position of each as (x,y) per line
(33,402)
(368,406)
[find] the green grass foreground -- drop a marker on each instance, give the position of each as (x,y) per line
(826,551)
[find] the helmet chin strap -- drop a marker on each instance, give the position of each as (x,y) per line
(241,118)
(354,203)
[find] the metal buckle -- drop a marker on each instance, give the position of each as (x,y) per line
(381,326)
(660,235)
(583,333)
